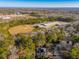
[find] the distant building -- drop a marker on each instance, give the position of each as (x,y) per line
(6,17)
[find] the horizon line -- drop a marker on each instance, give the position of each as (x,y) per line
(39,7)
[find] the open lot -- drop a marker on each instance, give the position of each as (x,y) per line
(20,29)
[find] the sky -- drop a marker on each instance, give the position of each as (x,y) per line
(39,3)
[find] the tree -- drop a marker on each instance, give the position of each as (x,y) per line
(26,57)
(55,35)
(25,45)
(75,38)
(40,39)
(74,52)
(3,50)
(51,37)
(60,34)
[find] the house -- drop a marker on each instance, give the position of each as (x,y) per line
(6,17)
(76,45)
(40,51)
(13,53)
(66,44)
(57,57)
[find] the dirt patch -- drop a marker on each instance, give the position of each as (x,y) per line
(20,29)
